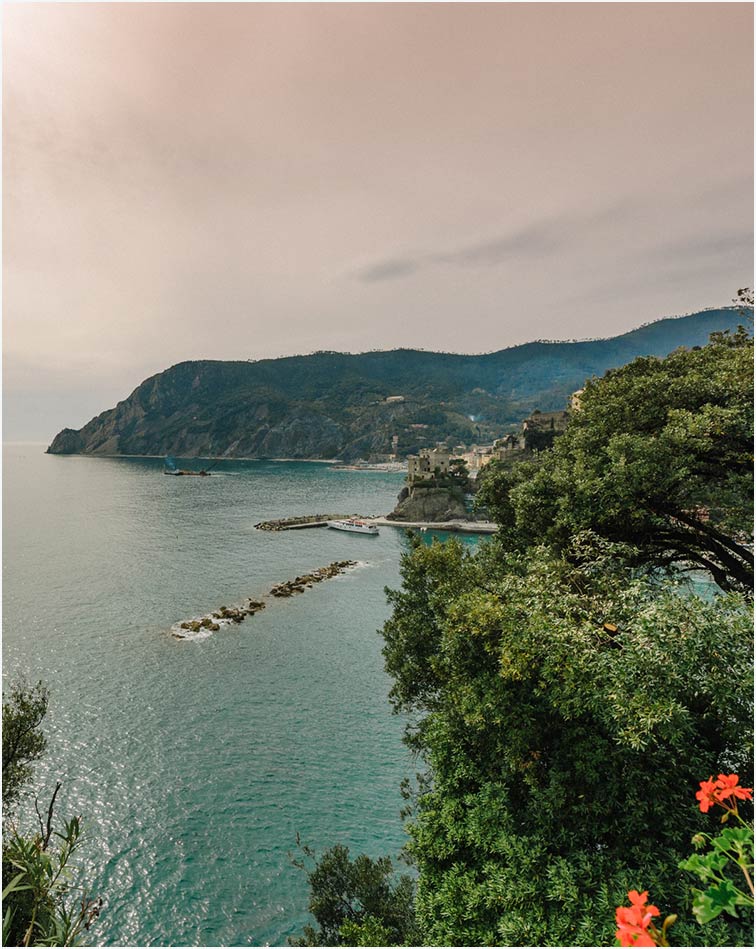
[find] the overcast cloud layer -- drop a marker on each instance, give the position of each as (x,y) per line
(233,181)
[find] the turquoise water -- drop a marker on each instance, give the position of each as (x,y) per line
(195,764)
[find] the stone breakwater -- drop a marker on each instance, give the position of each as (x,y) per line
(306,520)
(300,584)
(204,626)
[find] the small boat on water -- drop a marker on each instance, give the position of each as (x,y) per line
(354,526)
(170,468)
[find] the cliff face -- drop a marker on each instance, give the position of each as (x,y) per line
(430,504)
(339,405)
(67,442)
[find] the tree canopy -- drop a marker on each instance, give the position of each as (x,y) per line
(24,708)
(358,902)
(566,711)
(659,456)
(565,689)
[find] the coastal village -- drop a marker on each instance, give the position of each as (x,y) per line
(538,431)
(441,482)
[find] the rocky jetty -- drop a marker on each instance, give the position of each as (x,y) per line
(203,626)
(300,584)
(224,616)
(305,520)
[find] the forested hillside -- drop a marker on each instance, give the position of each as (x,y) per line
(335,404)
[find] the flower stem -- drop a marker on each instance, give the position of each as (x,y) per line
(749,881)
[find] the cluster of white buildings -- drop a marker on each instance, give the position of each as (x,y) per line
(433,462)
(428,464)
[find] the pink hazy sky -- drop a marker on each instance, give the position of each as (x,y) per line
(187,181)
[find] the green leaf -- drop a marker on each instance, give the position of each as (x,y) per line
(705,866)
(722,898)
(13,886)
(737,838)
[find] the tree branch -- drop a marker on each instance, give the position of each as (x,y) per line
(739,549)
(50,809)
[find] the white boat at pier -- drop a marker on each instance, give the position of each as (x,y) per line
(354,526)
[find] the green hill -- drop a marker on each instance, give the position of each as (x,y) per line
(329,404)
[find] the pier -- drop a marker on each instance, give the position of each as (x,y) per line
(321,520)
(302,522)
(453,527)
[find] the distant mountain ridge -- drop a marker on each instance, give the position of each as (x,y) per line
(328,404)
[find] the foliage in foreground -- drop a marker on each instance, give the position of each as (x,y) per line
(41,905)
(565,713)
(23,740)
(725,869)
(729,858)
(357,902)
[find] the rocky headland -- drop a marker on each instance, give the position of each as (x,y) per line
(348,406)
(432,504)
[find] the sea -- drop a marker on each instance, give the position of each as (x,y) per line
(198,765)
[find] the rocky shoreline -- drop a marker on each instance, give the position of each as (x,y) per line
(227,615)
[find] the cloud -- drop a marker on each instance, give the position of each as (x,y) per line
(389,270)
(527,242)
(535,241)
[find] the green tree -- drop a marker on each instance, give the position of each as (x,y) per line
(23,740)
(357,902)
(566,709)
(659,456)
(41,904)
(458,473)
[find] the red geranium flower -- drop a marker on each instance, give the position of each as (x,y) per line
(707,795)
(728,787)
(633,921)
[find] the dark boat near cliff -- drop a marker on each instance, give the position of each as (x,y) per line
(180,471)
(172,469)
